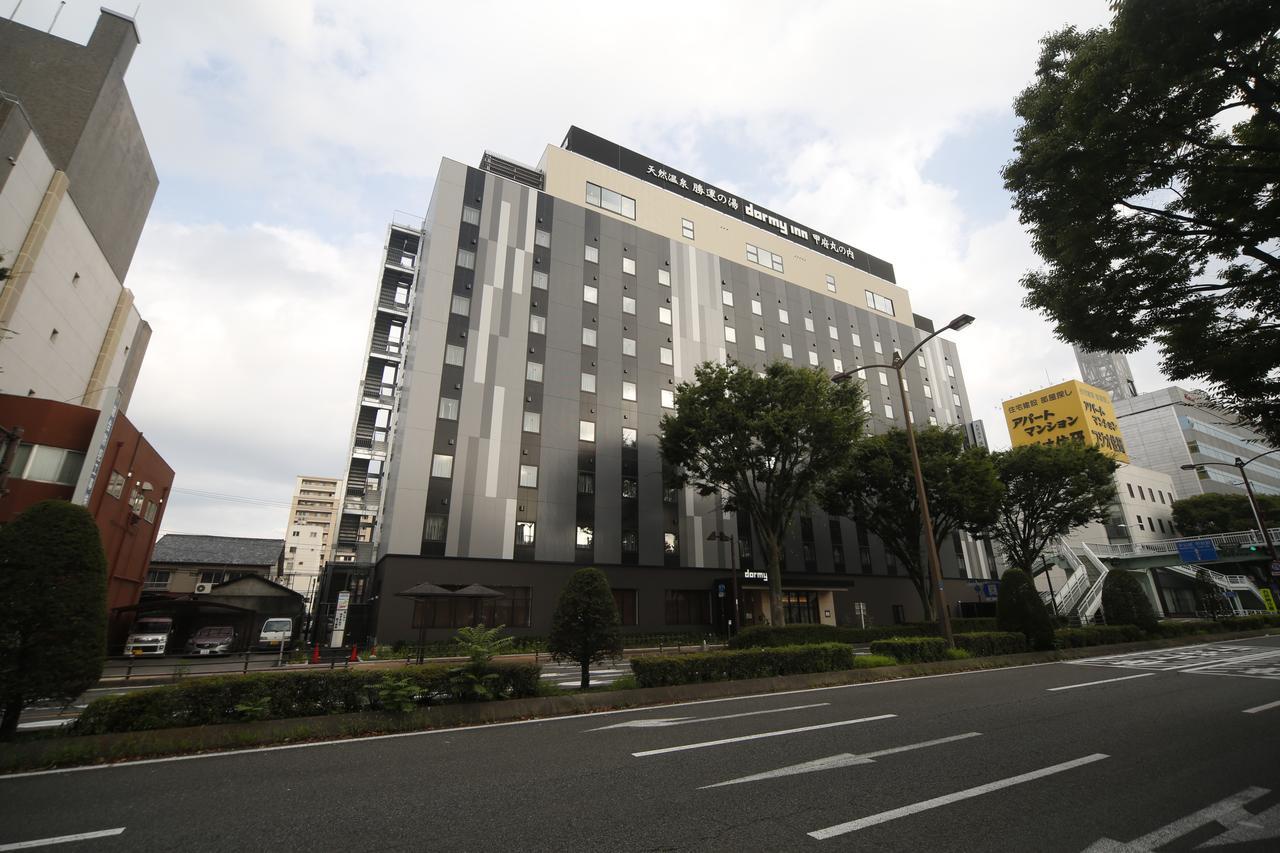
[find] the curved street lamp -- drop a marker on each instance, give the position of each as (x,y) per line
(935,564)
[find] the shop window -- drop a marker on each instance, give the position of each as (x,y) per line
(687,607)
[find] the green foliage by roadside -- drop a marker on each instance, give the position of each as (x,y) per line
(766,442)
(1210,513)
(1020,609)
(877,488)
(1096,635)
(1049,489)
(482,644)
(911,649)
(398,695)
(988,643)
(666,670)
(766,636)
(53,597)
(1209,596)
(1124,602)
(586,627)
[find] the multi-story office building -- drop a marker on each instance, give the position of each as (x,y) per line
(311,532)
(527,340)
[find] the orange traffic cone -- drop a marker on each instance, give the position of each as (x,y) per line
(354,656)
(315,653)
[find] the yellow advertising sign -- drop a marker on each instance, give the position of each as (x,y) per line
(1267,599)
(1070,411)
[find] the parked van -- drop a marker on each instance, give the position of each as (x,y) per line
(212,640)
(274,633)
(149,635)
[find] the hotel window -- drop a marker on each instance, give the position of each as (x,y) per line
(756,308)
(832,333)
(884,378)
(955,399)
(880,303)
(629,489)
(630,545)
(590,294)
(784,317)
(664,316)
(588,337)
(461,305)
(529,476)
(628,437)
(671,496)
(586,483)
(786,350)
(857,341)
(537,324)
(831,283)
(448,408)
(592,254)
(614,202)
(665,355)
(629,346)
(583,538)
(838,365)
(402,296)
(878,348)
(866,405)
(524,532)
(933,421)
(589,383)
(928,392)
(628,391)
(730,334)
(888,411)
(920,361)
(670,543)
(726,297)
(629,305)
(470,215)
(540,279)
(664,278)
(433,528)
(454,355)
(686,228)
(542,238)
(586,431)
(951,371)
(813,358)
(629,266)
(764,258)
(808,324)
(466,259)
(532,422)
(668,399)
(533,371)
(441,465)
(760,342)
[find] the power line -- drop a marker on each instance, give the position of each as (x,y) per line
(219,496)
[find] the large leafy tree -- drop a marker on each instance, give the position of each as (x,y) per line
(1211,513)
(585,627)
(1048,490)
(53,594)
(1125,603)
(1019,608)
(876,488)
(765,442)
(1146,169)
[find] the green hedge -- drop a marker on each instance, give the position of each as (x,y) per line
(912,649)
(1096,635)
(667,670)
(987,643)
(767,636)
(280,695)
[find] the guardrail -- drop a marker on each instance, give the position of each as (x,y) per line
(1092,599)
(1076,585)
(1170,546)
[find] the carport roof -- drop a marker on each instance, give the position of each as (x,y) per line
(217,550)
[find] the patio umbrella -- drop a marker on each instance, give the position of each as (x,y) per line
(424,592)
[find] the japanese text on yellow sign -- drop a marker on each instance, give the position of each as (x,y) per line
(1267,599)
(1071,411)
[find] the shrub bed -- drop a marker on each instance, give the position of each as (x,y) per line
(667,670)
(1096,635)
(271,696)
(984,643)
(767,636)
(912,649)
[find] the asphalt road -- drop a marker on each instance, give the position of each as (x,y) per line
(1164,751)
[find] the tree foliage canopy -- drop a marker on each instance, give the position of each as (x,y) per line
(1124,602)
(586,627)
(877,488)
(765,442)
(1020,608)
(1147,165)
(1210,513)
(1048,490)
(53,594)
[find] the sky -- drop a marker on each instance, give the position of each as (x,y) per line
(287,134)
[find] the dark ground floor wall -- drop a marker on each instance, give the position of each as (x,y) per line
(659,598)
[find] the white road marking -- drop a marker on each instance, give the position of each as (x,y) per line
(1103,681)
(778,733)
(45,724)
(661,722)
(62,839)
(1228,812)
(1260,708)
(948,799)
(834,762)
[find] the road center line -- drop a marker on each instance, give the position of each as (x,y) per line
(779,733)
(662,722)
(1260,708)
(1104,681)
(62,839)
(947,799)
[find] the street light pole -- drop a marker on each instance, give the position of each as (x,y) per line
(721,536)
(1240,465)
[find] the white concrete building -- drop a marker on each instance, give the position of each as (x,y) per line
(310,536)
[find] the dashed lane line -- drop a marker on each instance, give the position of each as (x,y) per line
(1259,709)
(778,733)
(662,722)
(62,839)
(1103,681)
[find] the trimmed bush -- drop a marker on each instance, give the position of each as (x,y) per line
(1124,602)
(1096,635)
(668,670)
(768,636)
(1020,609)
(974,625)
(1186,629)
(912,649)
(987,643)
(273,696)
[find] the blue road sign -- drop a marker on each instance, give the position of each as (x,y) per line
(720,590)
(1197,550)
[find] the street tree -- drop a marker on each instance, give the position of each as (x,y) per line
(1146,166)
(876,488)
(1020,608)
(1209,597)
(1049,489)
(585,627)
(764,442)
(1210,513)
(1125,603)
(53,593)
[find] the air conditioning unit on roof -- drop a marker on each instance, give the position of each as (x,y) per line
(203,588)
